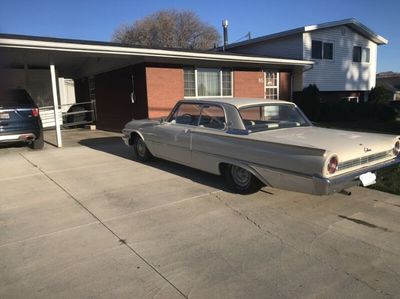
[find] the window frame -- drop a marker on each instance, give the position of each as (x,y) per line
(213,105)
(323,49)
(220,70)
(363,58)
(172,113)
(271,86)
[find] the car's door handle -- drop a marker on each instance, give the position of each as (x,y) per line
(187,131)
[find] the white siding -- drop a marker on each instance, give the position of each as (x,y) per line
(341,73)
(286,47)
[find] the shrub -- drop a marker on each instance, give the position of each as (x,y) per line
(379,94)
(309,102)
(349,111)
(384,112)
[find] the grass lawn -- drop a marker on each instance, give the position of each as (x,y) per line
(388,180)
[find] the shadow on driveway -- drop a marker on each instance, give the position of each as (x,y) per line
(116,146)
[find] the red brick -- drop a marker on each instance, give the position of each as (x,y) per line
(164,88)
(248,84)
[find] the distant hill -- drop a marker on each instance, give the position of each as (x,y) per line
(387,74)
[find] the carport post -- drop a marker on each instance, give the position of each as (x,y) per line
(55,102)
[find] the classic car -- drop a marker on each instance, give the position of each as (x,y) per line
(256,142)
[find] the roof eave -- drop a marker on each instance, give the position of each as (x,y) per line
(118,50)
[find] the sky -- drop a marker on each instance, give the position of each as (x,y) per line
(97,20)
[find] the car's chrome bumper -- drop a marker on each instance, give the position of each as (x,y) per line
(324,186)
(17,137)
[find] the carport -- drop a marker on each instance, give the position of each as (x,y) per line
(77,59)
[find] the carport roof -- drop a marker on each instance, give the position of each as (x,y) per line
(81,57)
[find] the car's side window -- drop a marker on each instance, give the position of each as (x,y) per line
(212,117)
(186,114)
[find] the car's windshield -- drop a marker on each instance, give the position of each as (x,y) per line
(271,116)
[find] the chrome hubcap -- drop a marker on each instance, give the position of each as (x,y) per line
(141,148)
(240,176)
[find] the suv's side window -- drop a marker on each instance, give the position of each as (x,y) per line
(186,114)
(212,117)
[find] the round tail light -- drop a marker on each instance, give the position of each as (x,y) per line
(396,149)
(333,164)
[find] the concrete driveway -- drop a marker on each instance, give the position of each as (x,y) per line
(88,221)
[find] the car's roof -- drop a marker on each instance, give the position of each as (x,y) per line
(237,102)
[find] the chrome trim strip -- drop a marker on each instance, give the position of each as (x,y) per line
(363,160)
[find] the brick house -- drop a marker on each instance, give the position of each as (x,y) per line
(135,82)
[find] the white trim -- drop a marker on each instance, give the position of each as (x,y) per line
(55,103)
(195,83)
(277,85)
(221,92)
(271,86)
(352,23)
(131,51)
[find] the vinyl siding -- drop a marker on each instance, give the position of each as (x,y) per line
(287,47)
(341,73)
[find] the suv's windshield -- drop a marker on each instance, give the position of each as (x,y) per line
(13,98)
(271,116)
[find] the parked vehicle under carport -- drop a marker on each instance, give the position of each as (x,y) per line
(19,119)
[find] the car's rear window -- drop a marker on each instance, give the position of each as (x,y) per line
(14,98)
(271,116)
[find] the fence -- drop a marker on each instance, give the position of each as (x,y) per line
(70,115)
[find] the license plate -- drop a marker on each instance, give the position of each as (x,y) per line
(368,178)
(4,116)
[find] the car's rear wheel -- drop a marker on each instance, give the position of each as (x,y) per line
(38,143)
(240,180)
(142,152)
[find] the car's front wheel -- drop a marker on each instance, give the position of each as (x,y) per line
(141,150)
(240,180)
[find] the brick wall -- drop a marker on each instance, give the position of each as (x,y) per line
(164,88)
(248,83)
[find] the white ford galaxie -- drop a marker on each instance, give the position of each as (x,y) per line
(255,142)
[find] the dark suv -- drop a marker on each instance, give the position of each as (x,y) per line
(19,118)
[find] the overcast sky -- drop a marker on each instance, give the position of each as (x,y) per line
(97,20)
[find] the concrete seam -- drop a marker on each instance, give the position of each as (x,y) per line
(122,241)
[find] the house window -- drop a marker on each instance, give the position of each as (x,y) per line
(206,82)
(189,82)
(361,54)
(321,50)
(226,83)
(365,55)
(328,51)
(316,49)
(271,85)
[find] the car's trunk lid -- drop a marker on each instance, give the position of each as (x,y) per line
(346,144)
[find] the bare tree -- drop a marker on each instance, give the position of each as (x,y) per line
(171,29)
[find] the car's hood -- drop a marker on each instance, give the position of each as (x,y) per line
(346,144)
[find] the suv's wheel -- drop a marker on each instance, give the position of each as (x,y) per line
(38,143)
(141,150)
(240,180)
